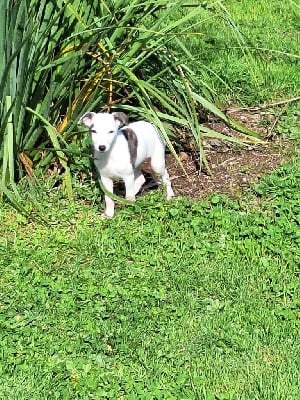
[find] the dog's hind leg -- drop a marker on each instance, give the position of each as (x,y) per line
(159,171)
(166,180)
(163,177)
(139,180)
(130,187)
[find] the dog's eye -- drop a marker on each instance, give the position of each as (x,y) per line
(93,131)
(111,132)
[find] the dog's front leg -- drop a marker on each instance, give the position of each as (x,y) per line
(109,203)
(130,187)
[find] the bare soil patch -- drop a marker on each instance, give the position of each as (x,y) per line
(233,168)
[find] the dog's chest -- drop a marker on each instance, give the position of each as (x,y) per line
(113,165)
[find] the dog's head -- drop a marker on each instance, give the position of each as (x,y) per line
(103,128)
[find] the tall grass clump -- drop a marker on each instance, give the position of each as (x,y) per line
(60,58)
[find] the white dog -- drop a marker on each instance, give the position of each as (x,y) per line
(119,150)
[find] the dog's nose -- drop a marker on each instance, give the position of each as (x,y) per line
(102,147)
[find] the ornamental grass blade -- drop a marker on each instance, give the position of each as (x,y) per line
(8,147)
(13,198)
(54,134)
(252,135)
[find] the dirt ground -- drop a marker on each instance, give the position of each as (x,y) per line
(233,168)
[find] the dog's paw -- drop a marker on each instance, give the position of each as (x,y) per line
(105,216)
(170,194)
(130,198)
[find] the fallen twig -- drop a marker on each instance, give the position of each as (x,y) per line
(265,106)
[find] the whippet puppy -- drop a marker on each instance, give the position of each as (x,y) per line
(120,148)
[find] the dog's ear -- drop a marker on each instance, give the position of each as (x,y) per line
(121,117)
(87,118)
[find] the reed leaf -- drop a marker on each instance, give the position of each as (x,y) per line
(54,134)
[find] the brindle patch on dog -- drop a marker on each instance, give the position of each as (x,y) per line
(132,143)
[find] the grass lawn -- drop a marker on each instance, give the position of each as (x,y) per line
(182,300)
(262,64)
(167,301)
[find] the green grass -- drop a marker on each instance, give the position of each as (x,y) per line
(265,67)
(183,300)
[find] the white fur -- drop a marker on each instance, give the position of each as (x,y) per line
(112,158)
